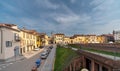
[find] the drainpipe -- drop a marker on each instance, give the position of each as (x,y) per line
(1,40)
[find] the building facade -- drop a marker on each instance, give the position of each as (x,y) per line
(101,39)
(76,39)
(44,39)
(38,42)
(9,41)
(116,35)
(58,38)
(67,40)
(110,38)
(92,38)
(28,40)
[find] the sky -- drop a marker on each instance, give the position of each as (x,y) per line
(63,16)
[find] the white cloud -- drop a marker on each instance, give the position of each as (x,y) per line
(10,7)
(110,26)
(41,25)
(47,4)
(104,5)
(105,10)
(96,2)
(72,19)
(102,19)
(67,19)
(72,1)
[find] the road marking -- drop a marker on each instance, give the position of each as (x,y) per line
(10,63)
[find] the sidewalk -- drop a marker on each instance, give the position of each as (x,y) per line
(22,57)
(49,62)
(32,53)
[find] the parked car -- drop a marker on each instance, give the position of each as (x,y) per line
(36,49)
(50,47)
(41,47)
(44,55)
(48,50)
(38,62)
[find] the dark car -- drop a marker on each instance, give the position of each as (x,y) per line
(41,47)
(48,49)
(51,47)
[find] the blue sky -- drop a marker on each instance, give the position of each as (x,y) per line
(63,16)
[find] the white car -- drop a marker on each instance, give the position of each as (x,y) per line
(36,49)
(44,55)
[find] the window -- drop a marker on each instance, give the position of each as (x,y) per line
(16,37)
(8,43)
(23,35)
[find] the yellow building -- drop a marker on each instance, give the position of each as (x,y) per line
(92,39)
(101,39)
(28,40)
(67,40)
(38,40)
(78,38)
(58,38)
(44,39)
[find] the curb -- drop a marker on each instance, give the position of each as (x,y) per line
(54,60)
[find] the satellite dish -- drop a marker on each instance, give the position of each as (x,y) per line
(84,69)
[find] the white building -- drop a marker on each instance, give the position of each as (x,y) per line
(9,41)
(116,36)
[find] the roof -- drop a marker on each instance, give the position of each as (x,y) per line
(29,31)
(107,35)
(59,34)
(66,37)
(9,26)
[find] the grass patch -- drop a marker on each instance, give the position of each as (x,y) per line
(95,50)
(63,58)
(74,46)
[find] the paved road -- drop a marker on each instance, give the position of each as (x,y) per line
(24,65)
(27,64)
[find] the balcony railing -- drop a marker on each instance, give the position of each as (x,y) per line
(17,38)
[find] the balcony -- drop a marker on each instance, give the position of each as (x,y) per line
(17,38)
